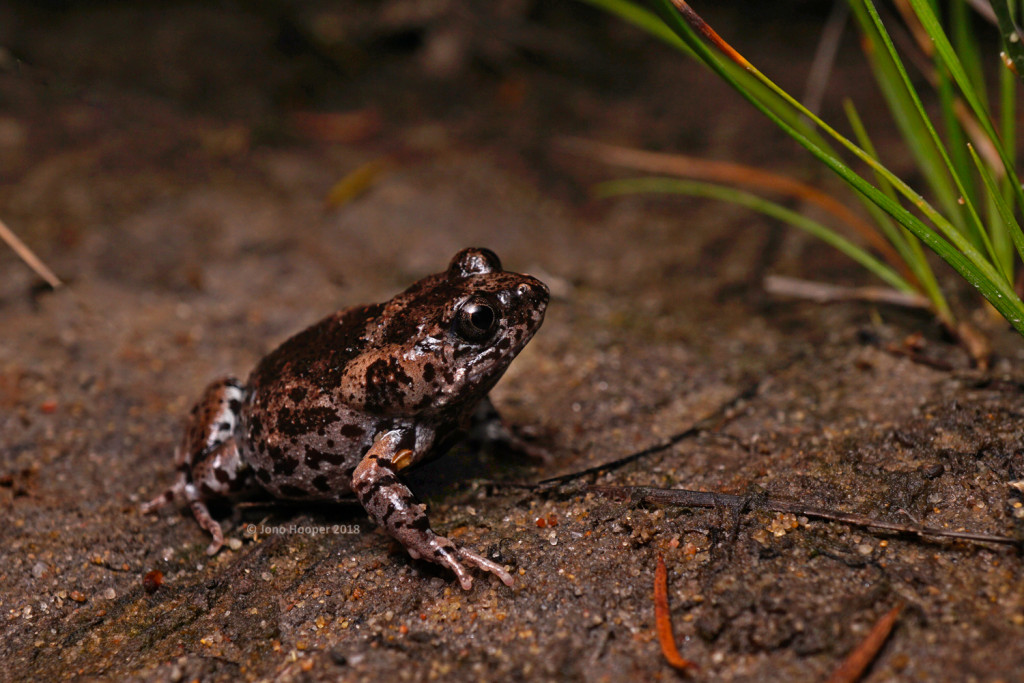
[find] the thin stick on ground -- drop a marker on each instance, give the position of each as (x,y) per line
(824,293)
(858,661)
(711,421)
(711,499)
(26,255)
(663,621)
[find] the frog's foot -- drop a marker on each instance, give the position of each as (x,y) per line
(392,505)
(184,489)
(440,550)
(208,523)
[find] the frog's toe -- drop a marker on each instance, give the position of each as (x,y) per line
(210,525)
(466,581)
(444,554)
(487,566)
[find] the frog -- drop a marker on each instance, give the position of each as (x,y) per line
(342,408)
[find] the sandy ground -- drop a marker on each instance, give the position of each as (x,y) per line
(163,175)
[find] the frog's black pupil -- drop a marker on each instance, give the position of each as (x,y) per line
(481,317)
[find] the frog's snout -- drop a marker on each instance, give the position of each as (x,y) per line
(534,291)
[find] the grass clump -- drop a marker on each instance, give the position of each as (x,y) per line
(965,153)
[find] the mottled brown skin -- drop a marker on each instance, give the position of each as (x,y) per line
(343,406)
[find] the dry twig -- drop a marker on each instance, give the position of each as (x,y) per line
(710,499)
(711,421)
(26,254)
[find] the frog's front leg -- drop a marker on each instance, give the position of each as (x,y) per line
(392,505)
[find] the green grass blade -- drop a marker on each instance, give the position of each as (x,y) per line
(952,63)
(864,140)
(905,243)
(1002,240)
(898,237)
(1005,212)
(966,44)
(908,117)
(765,206)
(1008,85)
(977,228)
(956,139)
(1008,108)
(786,112)
(644,20)
(824,154)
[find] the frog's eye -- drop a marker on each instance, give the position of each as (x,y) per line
(477,320)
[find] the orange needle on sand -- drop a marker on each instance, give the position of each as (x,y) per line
(663,620)
(857,662)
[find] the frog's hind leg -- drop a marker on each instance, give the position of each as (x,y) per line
(221,474)
(208,459)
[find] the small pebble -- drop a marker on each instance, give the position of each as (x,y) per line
(152,580)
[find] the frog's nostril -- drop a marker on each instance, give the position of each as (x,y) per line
(537,290)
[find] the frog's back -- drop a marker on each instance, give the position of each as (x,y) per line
(317,356)
(300,436)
